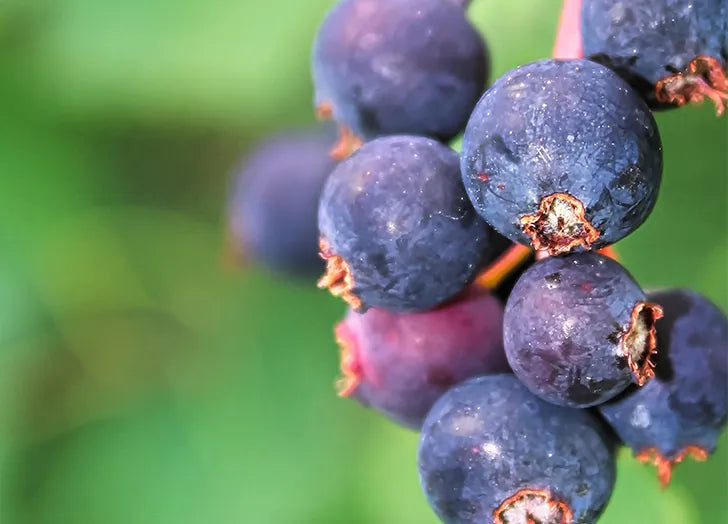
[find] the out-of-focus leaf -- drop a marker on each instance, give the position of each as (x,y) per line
(176,59)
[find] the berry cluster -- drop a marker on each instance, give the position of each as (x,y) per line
(455,328)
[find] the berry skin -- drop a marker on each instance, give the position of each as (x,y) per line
(562,154)
(267,220)
(490,451)
(398,67)
(400,363)
(578,331)
(397,229)
(684,408)
(672,51)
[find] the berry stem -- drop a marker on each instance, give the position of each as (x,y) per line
(568,35)
(610,252)
(494,274)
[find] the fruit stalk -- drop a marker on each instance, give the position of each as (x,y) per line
(568,35)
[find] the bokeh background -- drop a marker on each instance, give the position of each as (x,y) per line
(144,381)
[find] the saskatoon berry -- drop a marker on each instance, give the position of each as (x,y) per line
(397,229)
(490,451)
(672,51)
(274,201)
(578,330)
(400,363)
(684,408)
(562,154)
(399,67)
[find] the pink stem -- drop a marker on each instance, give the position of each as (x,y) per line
(568,37)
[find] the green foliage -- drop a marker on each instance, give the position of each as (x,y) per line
(141,379)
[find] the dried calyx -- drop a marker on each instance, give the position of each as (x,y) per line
(324,111)
(640,341)
(338,278)
(704,78)
(351,369)
(347,144)
(348,141)
(560,225)
(665,465)
(532,506)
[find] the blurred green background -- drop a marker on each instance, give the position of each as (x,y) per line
(142,381)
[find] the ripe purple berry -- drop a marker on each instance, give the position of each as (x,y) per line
(400,363)
(683,410)
(270,223)
(490,451)
(399,67)
(397,229)
(672,51)
(562,155)
(578,330)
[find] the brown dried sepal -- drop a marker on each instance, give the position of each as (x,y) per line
(349,363)
(348,143)
(704,78)
(338,278)
(533,506)
(325,111)
(560,225)
(639,343)
(664,465)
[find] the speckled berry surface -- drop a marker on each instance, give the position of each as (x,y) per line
(399,67)
(489,437)
(400,363)
(686,404)
(270,223)
(396,212)
(565,326)
(647,40)
(724,17)
(569,127)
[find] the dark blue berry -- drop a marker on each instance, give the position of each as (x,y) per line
(724,17)
(397,228)
(656,45)
(684,408)
(399,67)
(400,363)
(490,451)
(578,330)
(274,201)
(562,154)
